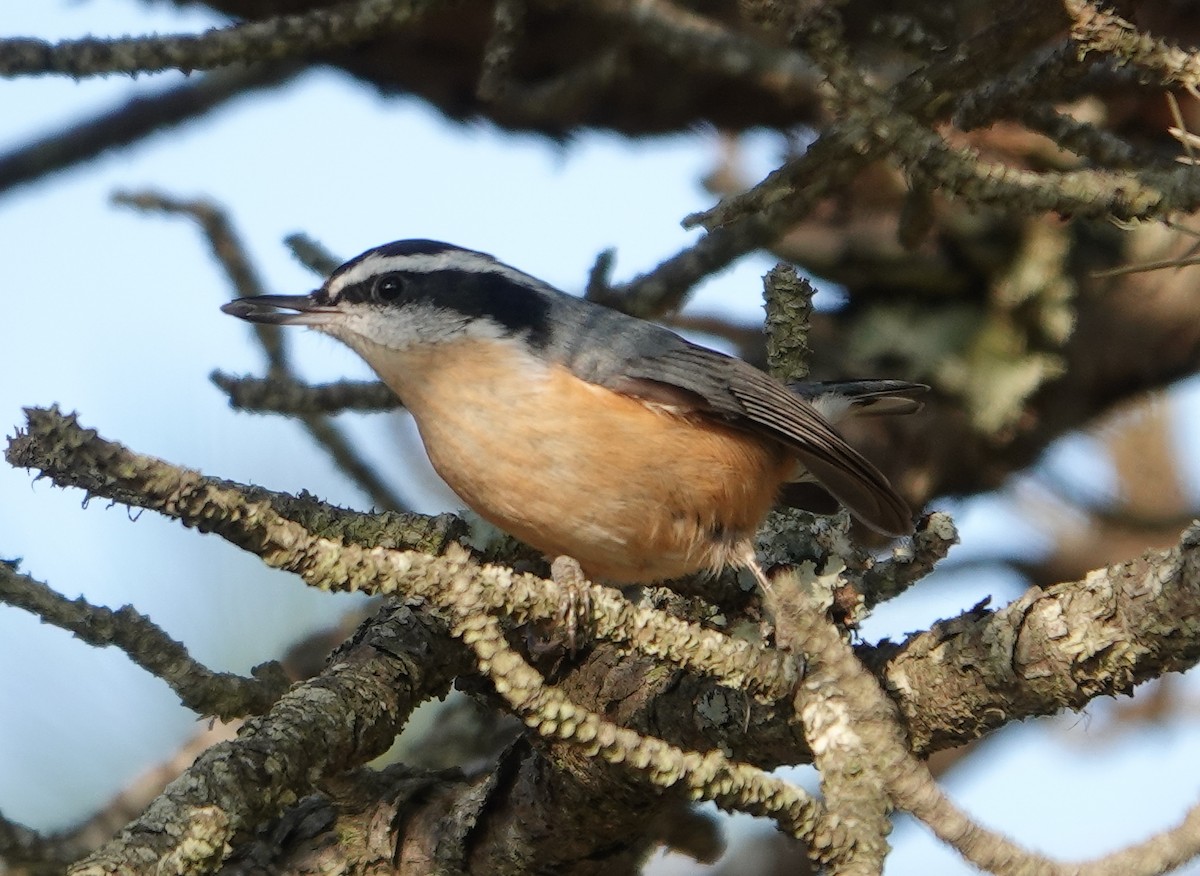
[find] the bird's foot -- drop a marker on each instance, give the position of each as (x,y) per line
(571,627)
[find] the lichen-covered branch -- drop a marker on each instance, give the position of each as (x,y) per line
(908,564)
(73,456)
(221,694)
(341,719)
(942,704)
(1052,649)
(709,776)
(1102,30)
(469,593)
(919,150)
(860,747)
(788,298)
(288,36)
(683,36)
(284,395)
(29,852)
(418,559)
(134,120)
(664,288)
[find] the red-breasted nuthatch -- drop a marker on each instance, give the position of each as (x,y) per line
(585,432)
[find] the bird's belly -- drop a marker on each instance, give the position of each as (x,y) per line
(632,492)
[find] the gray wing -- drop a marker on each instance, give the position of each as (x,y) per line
(695,378)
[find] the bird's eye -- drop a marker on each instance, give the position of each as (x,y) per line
(389,287)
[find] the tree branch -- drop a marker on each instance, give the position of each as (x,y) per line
(133,121)
(1102,30)
(287,36)
(283,395)
(341,719)
(221,694)
(233,258)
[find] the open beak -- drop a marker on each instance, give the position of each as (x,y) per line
(269,309)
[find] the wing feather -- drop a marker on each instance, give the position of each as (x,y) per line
(694,378)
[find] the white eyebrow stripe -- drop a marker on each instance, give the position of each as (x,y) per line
(425,263)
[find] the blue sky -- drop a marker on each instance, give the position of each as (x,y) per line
(114,314)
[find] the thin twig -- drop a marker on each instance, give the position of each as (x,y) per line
(221,694)
(134,120)
(1096,29)
(27,851)
(235,260)
(283,395)
(312,254)
(288,36)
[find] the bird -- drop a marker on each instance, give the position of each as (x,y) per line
(588,433)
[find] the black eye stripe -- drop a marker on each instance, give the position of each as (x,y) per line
(359,293)
(474,294)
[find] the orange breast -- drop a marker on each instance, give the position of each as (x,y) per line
(634,493)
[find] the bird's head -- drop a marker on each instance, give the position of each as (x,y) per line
(413,293)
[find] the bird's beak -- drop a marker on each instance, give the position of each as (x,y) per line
(268,309)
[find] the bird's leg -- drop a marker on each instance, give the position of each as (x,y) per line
(575,609)
(563,635)
(766,624)
(750,560)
